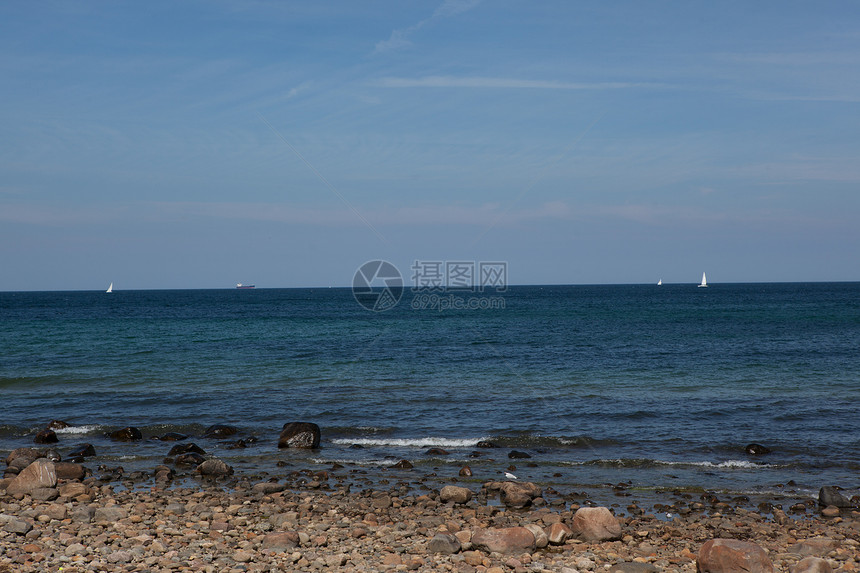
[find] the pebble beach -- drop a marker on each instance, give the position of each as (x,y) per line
(331,521)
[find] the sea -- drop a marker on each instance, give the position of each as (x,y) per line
(654,387)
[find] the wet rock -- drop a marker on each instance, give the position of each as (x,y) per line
(83,451)
(39,474)
(127,434)
(731,555)
(756,450)
(516,455)
(830,511)
(219,431)
(189,459)
(465,471)
(70,471)
(443,543)
(486,444)
(829,495)
(403,465)
(214,467)
(180,449)
(455,494)
(57,425)
(299,435)
(437,452)
(172,437)
(46,437)
(504,540)
(595,524)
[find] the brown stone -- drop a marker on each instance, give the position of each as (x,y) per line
(558,533)
(506,540)
(595,524)
(473,558)
(518,494)
(281,541)
(214,467)
(816,546)
(443,543)
(731,555)
(29,455)
(70,471)
(830,511)
(811,565)
(39,474)
(455,494)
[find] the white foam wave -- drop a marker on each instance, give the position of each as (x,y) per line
(77,429)
(355,462)
(427,442)
(728,464)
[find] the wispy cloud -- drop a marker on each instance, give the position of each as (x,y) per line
(506,83)
(412,215)
(400,38)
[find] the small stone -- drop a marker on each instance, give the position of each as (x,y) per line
(504,540)
(455,494)
(730,555)
(830,511)
(811,565)
(443,543)
(558,533)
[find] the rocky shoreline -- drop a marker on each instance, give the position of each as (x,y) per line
(56,517)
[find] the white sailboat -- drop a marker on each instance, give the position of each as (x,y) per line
(660,282)
(704,281)
(110,288)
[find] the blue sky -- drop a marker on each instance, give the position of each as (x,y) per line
(200,144)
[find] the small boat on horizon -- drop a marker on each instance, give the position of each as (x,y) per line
(660,282)
(241,286)
(704,282)
(110,288)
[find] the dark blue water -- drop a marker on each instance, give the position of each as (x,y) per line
(661,386)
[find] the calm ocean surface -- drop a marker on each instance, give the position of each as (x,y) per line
(659,386)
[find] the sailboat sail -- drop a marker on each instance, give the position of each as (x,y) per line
(704,281)
(110,288)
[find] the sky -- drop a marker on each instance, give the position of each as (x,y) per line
(161,145)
